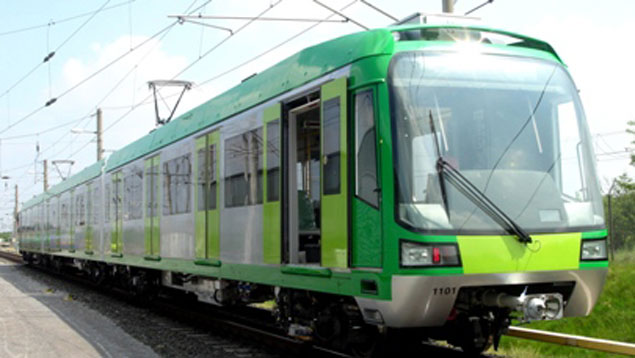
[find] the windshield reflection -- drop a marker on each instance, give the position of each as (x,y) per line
(512,126)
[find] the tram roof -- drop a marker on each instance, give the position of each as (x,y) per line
(295,71)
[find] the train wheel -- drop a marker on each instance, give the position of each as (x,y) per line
(98,274)
(475,337)
(366,343)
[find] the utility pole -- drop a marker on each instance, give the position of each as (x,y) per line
(46,176)
(98,132)
(448,6)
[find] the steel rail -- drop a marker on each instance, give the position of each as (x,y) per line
(602,345)
(11,256)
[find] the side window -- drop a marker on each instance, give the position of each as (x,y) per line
(365,151)
(207,176)
(132,186)
(176,185)
(211,170)
(202,180)
(273,160)
(151,185)
(331,160)
(243,169)
(80,210)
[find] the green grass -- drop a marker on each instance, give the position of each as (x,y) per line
(612,318)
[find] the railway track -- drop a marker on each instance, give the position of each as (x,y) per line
(266,333)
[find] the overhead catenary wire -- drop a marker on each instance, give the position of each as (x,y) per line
(50,55)
(259,55)
(50,129)
(209,51)
(57,22)
(132,69)
(143,102)
(110,92)
(86,79)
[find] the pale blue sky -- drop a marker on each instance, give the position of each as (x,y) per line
(591,37)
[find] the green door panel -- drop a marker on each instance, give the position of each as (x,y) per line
(117,222)
(498,254)
(334,186)
(152,203)
(213,214)
(200,230)
(366,250)
(271,231)
(206,198)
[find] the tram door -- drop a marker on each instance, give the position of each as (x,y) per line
(117,223)
(207,196)
(152,205)
(271,230)
(334,187)
(317,179)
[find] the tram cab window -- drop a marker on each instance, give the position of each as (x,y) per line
(366,162)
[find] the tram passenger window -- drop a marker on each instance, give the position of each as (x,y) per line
(202,180)
(331,177)
(211,170)
(366,164)
(206,159)
(133,195)
(152,186)
(243,169)
(273,160)
(177,174)
(80,210)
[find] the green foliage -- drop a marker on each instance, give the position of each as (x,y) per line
(622,213)
(612,318)
(6,235)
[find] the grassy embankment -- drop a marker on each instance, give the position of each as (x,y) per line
(612,318)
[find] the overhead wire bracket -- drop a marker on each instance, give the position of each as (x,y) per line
(59,162)
(167,83)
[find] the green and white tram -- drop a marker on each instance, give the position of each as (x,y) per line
(434,180)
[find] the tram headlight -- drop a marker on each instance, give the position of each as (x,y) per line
(414,254)
(593,250)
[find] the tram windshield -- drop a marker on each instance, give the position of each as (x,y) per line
(512,126)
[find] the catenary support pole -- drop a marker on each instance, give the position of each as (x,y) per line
(448,6)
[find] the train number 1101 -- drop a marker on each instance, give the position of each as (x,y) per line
(444,291)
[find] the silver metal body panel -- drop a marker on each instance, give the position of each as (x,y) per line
(414,303)
(133,230)
(133,237)
(241,227)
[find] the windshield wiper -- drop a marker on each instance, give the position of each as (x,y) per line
(481,200)
(474,194)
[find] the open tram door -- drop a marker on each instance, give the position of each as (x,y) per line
(317,215)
